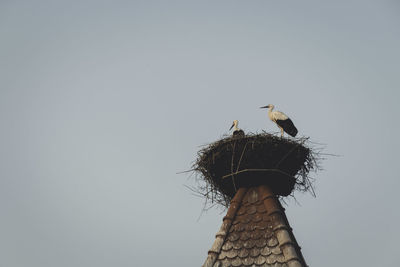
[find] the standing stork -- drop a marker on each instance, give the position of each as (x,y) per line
(237,131)
(283,121)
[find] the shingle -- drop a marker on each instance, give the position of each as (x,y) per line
(261,208)
(233,236)
(237,262)
(257,233)
(276,250)
(232,254)
(238,244)
(262,242)
(245,235)
(248,261)
(249,243)
(251,210)
(257,217)
(266,251)
(272,242)
(246,219)
(252,196)
(260,260)
(225,263)
(241,212)
(271,259)
(243,253)
(227,246)
(255,252)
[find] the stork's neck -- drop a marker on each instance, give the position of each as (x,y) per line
(270,108)
(236,126)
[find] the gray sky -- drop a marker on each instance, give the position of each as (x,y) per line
(102,103)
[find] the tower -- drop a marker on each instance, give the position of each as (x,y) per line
(250,173)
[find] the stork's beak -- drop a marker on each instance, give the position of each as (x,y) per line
(231,126)
(264,107)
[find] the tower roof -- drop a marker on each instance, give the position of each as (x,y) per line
(255,232)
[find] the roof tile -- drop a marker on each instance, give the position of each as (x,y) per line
(262,242)
(251,209)
(249,244)
(248,261)
(255,252)
(261,208)
(227,246)
(233,236)
(245,235)
(252,196)
(272,242)
(260,260)
(238,244)
(266,251)
(236,262)
(243,253)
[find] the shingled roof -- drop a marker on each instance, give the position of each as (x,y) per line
(255,232)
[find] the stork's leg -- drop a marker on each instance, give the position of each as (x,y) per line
(281,132)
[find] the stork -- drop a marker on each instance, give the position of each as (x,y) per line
(237,131)
(281,120)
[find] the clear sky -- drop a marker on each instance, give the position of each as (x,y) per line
(103,102)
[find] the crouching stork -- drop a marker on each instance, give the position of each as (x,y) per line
(283,121)
(237,132)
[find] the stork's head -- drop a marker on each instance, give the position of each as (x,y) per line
(234,123)
(268,106)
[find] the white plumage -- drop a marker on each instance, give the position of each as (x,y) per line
(281,120)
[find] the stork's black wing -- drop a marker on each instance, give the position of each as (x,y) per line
(288,126)
(238,133)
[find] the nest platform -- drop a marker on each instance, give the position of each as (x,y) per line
(252,160)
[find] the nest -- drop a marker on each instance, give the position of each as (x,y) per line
(255,159)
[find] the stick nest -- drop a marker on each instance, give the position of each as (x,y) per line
(233,162)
